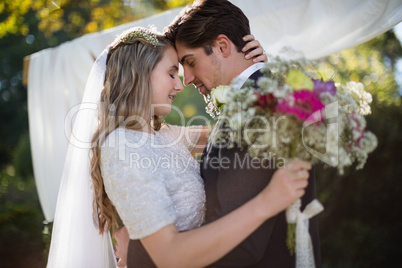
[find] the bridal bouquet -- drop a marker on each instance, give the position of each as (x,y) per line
(288,114)
(291,115)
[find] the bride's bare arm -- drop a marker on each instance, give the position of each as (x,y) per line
(205,245)
(202,141)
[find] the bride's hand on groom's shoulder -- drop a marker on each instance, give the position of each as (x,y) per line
(287,185)
(121,246)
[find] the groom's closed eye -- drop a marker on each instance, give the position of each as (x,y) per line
(191,64)
(185,59)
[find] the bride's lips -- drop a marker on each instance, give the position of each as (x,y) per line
(171,97)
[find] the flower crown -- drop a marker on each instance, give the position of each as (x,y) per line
(137,32)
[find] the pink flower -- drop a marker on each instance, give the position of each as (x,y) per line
(266,101)
(302,104)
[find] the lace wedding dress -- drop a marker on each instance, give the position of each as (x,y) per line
(153,180)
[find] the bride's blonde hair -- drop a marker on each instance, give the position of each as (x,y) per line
(125,101)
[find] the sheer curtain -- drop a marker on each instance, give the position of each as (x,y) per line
(57,76)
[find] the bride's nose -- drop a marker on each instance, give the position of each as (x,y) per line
(178,85)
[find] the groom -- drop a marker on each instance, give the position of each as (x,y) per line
(208,39)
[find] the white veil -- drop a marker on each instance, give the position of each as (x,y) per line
(76,241)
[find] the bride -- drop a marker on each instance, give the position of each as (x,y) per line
(144,172)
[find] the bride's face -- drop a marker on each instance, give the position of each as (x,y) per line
(165,82)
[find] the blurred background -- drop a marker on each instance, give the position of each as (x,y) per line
(362,222)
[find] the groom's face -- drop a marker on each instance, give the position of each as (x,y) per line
(200,69)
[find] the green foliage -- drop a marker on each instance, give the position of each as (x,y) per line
(20,221)
(12,16)
(20,207)
(75,17)
(72,17)
(47,237)
(22,158)
(359,226)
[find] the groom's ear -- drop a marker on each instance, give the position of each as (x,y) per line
(223,44)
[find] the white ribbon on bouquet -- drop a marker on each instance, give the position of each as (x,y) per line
(304,247)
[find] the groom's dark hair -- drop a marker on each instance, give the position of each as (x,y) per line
(199,24)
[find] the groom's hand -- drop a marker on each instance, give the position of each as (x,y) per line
(122,240)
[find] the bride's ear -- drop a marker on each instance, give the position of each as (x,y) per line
(224,45)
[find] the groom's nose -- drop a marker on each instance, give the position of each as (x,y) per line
(188,76)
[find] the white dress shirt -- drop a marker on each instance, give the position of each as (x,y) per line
(242,78)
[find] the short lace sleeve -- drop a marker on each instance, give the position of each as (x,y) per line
(189,135)
(139,195)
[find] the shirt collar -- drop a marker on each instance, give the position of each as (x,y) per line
(242,78)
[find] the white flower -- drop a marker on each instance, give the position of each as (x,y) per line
(283,92)
(219,95)
(236,121)
(361,97)
(251,111)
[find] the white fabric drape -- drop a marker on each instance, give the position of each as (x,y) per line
(56,78)
(319,28)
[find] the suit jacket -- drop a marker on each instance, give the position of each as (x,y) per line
(234,182)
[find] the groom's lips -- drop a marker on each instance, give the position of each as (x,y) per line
(201,89)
